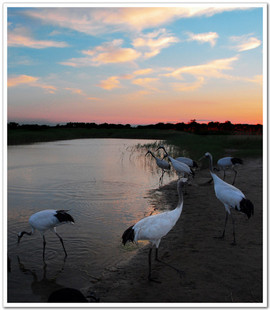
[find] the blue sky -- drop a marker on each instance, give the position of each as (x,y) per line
(135,65)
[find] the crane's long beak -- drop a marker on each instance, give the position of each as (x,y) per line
(201,158)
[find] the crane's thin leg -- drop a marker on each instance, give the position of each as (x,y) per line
(224,175)
(223,234)
(161,178)
(235,173)
(181,273)
(234,241)
(61,242)
(44,244)
(149,264)
(150,269)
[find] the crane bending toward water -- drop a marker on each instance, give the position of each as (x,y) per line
(231,197)
(164,165)
(179,167)
(47,220)
(154,227)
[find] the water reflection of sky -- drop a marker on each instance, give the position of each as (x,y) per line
(103,182)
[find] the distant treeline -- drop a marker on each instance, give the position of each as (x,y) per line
(192,127)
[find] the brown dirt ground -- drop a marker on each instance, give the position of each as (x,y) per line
(215,271)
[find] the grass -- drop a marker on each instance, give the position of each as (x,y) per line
(26,136)
(178,143)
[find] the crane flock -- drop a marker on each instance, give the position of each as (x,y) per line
(153,228)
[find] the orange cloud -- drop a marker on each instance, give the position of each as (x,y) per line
(19,37)
(21,79)
(110,83)
(31,81)
(109,52)
(74,90)
(154,42)
(143,71)
(103,20)
(146,83)
(189,86)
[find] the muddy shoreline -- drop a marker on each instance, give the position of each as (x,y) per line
(215,271)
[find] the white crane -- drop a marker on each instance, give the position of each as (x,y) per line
(163,164)
(230,196)
(47,220)
(180,167)
(154,227)
(229,162)
(188,161)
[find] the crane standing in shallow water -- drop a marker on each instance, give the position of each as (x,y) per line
(45,220)
(180,167)
(231,197)
(164,165)
(154,227)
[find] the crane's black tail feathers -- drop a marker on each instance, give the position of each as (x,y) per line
(195,165)
(237,161)
(247,207)
(63,216)
(128,235)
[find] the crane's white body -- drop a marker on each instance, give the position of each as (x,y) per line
(44,220)
(180,167)
(228,194)
(163,164)
(154,227)
(225,162)
(186,160)
(229,163)
(47,220)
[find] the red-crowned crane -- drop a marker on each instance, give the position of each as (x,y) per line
(229,162)
(180,167)
(188,161)
(230,196)
(163,164)
(47,220)
(154,227)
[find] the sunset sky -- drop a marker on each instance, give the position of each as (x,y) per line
(135,65)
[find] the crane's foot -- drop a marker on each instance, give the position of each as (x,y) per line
(233,243)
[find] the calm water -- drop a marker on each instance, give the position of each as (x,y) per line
(103,182)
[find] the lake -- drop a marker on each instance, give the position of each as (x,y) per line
(104,183)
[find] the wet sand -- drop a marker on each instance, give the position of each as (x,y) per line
(215,271)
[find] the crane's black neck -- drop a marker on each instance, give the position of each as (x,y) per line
(20,235)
